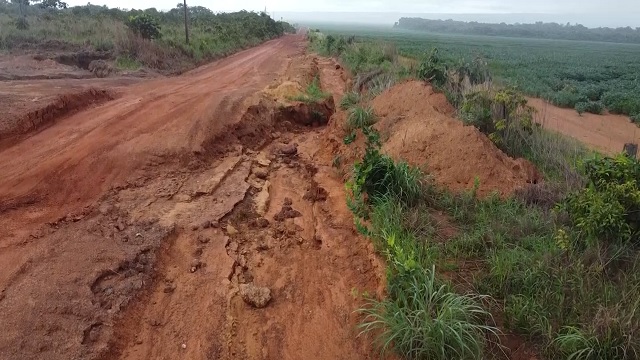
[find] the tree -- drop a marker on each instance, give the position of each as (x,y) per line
(186,26)
(51,4)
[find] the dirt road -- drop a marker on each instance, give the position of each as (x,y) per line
(606,133)
(128,229)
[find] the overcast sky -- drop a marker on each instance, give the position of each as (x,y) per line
(607,10)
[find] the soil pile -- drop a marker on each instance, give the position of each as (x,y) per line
(418,126)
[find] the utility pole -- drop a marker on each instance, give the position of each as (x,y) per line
(186,26)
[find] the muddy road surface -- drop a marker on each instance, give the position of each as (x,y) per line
(183,218)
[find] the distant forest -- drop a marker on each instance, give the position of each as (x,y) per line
(538,30)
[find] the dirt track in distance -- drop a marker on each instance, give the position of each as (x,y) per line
(607,133)
(126,228)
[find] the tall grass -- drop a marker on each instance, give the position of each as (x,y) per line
(424,319)
(360,118)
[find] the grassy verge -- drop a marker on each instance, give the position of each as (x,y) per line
(563,273)
(422,316)
(157,41)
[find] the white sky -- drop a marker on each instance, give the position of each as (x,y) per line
(607,10)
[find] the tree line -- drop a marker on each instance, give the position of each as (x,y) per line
(539,30)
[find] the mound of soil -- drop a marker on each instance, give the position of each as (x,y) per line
(417,125)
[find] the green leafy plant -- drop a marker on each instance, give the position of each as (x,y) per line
(608,208)
(144,25)
(432,69)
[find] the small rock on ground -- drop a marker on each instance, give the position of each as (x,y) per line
(289,149)
(255,296)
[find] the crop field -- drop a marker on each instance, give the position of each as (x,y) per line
(588,76)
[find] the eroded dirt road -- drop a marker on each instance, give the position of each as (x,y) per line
(127,229)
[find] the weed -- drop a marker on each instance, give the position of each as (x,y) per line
(575,344)
(360,118)
(349,100)
(424,319)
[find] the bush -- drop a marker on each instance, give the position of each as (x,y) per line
(145,26)
(21,23)
(608,208)
(567,98)
(432,70)
(594,107)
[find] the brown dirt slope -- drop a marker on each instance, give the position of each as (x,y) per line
(417,125)
(126,229)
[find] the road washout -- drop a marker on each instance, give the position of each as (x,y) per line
(132,225)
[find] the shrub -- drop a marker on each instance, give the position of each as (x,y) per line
(145,26)
(431,69)
(594,107)
(608,208)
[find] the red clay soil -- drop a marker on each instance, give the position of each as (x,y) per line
(126,228)
(607,133)
(418,126)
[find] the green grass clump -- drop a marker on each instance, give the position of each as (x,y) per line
(360,118)
(575,344)
(313,93)
(125,62)
(349,100)
(424,319)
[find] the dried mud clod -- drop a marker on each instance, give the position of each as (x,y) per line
(315,193)
(255,296)
(287,212)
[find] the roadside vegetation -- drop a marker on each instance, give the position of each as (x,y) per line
(588,76)
(557,264)
(151,38)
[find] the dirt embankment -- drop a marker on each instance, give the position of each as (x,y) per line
(417,125)
(133,228)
